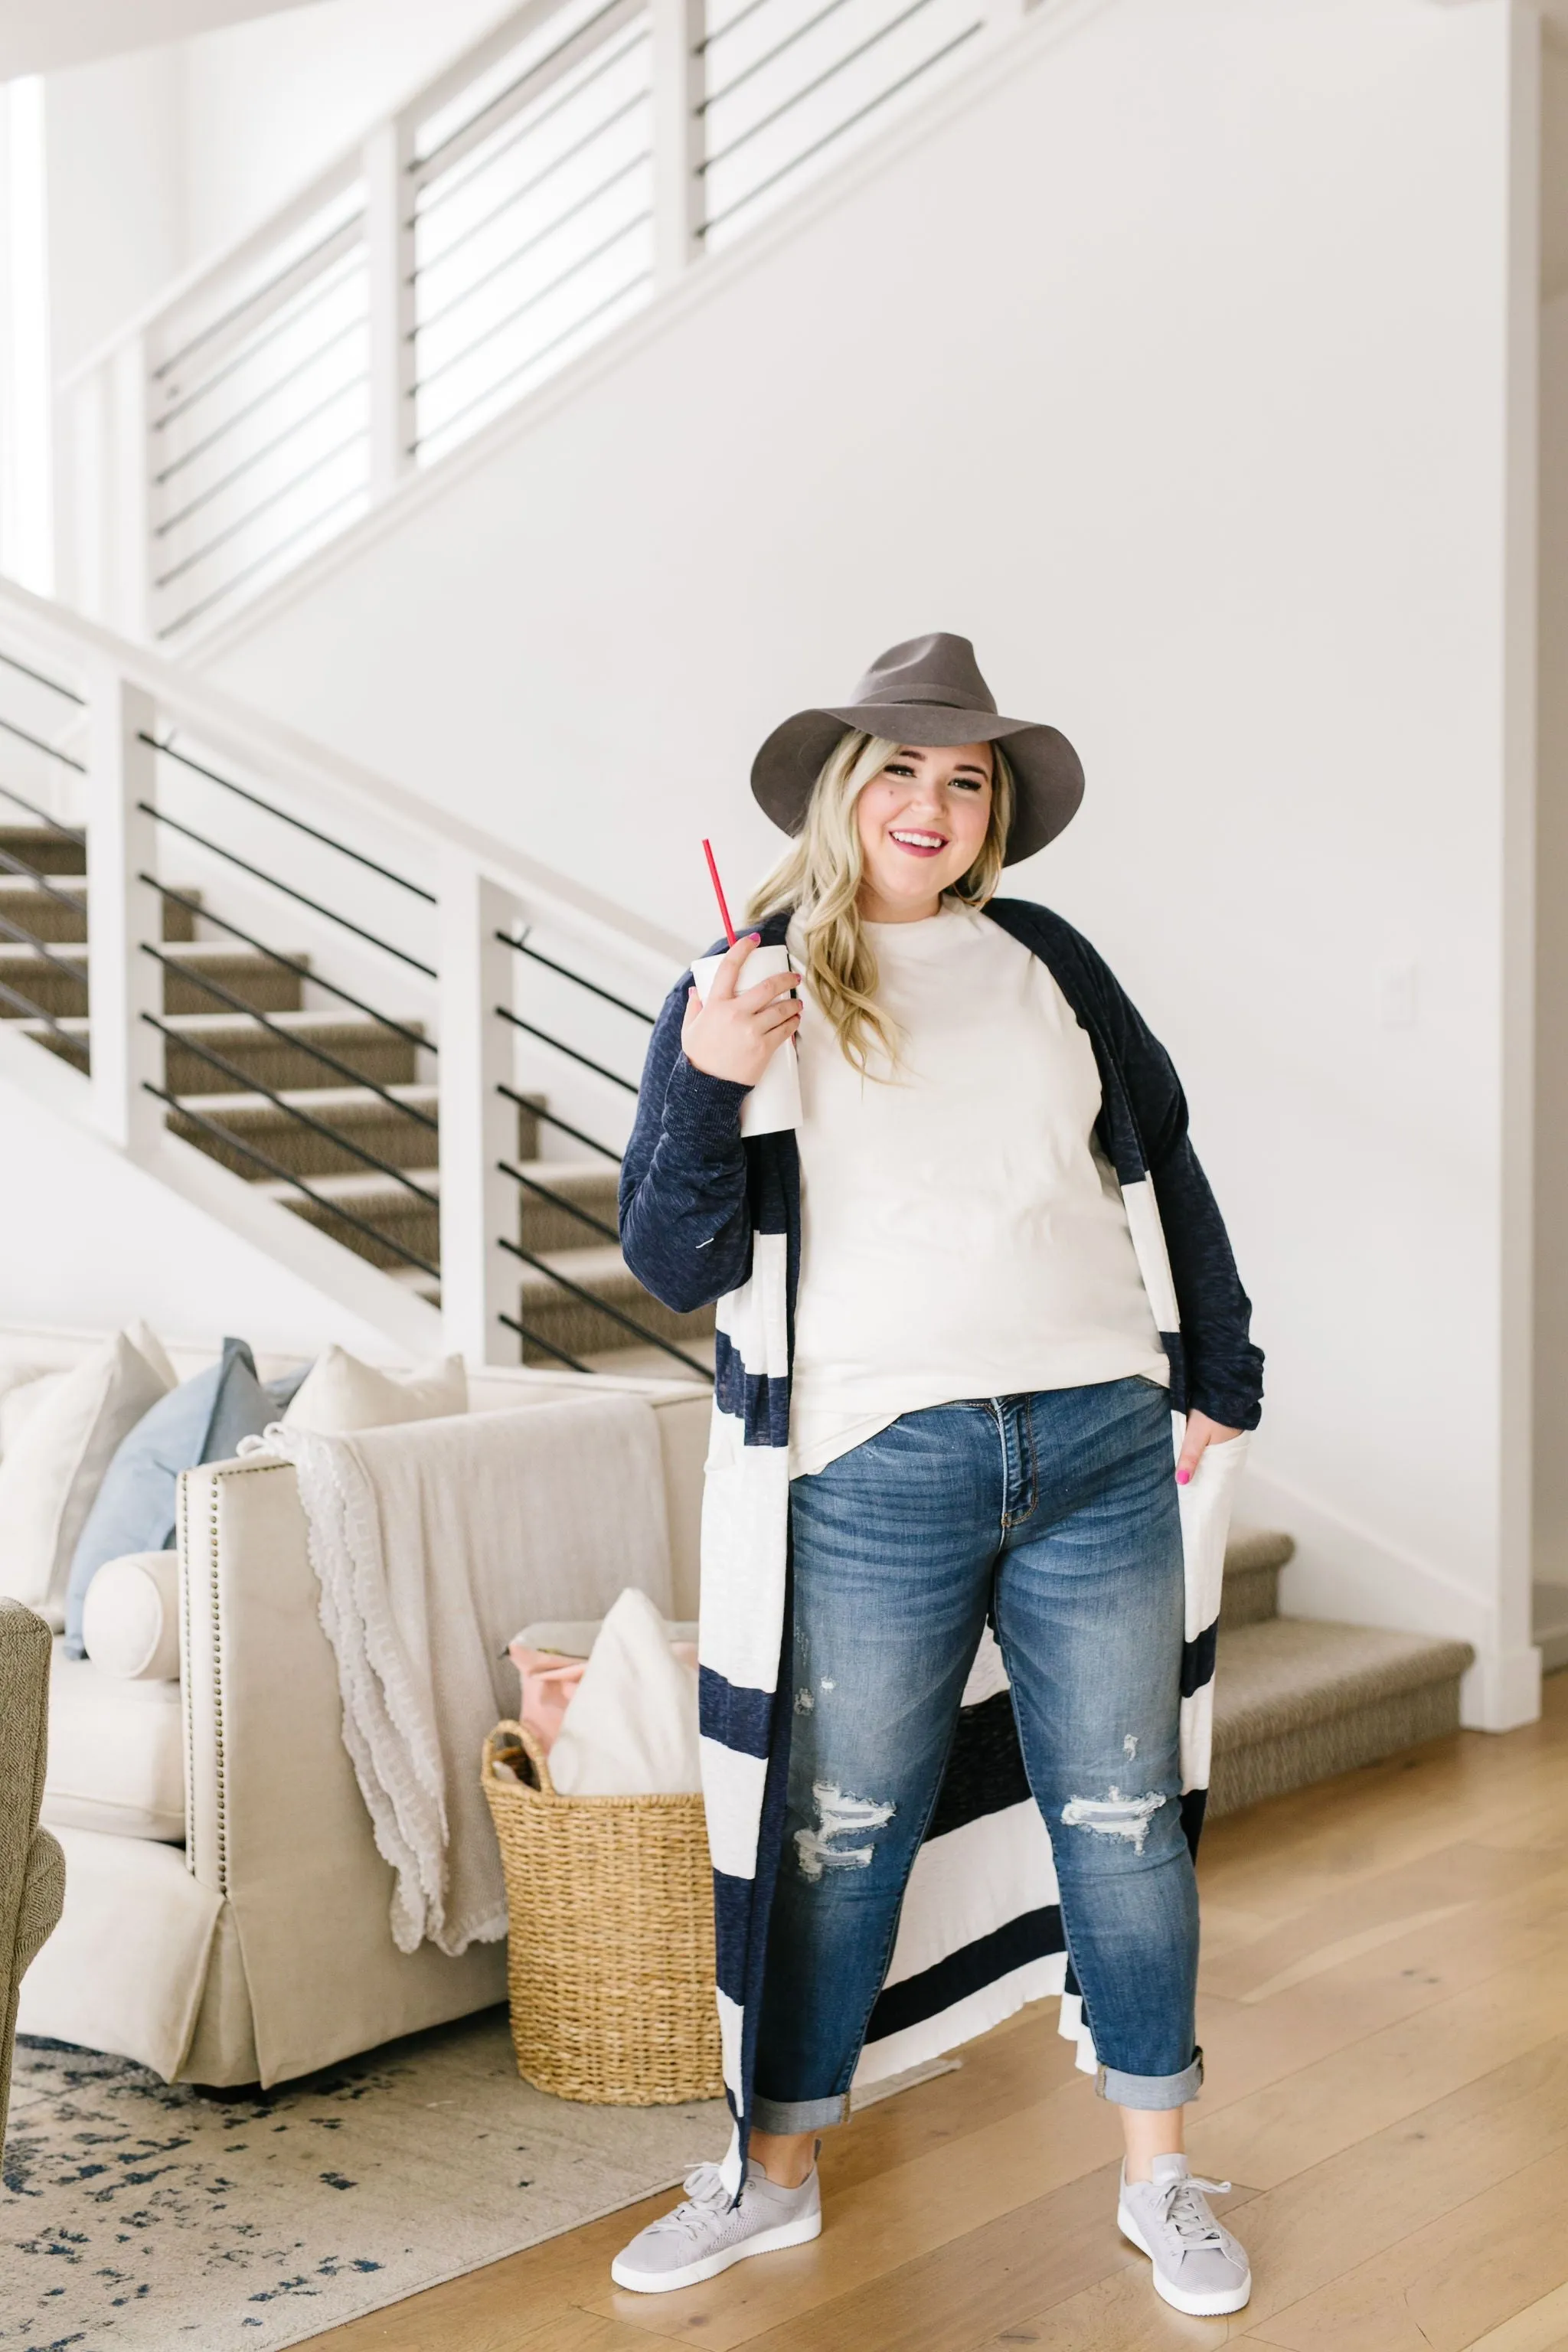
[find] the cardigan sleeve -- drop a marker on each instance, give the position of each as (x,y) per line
(685,1232)
(1224,1367)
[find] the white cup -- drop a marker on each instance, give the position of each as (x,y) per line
(773,1103)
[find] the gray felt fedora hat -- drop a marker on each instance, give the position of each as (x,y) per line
(927,690)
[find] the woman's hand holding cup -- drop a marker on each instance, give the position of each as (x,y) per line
(736,1031)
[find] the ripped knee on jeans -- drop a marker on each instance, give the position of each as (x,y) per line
(1114,1816)
(822,1847)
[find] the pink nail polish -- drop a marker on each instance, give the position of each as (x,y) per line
(1184,1477)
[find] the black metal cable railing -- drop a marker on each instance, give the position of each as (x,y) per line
(287,1175)
(536,1339)
(49,884)
(167,750)
(432,203)
(558,1200)
(354,440)
(804,155)
(343,235)
(531,1104)
(257,457)
(603,1307)
(560,1046)
(294,1038)
(188,456)
(70,1041)
(329,282)
(40,679)
(27,1008)
(232,858)
(769,57)
(249,1083)
(302,972)
(316,522)
(455,417)
(507,101)
(51,823)
(519,946)
(48,950)
(519,252)
(541,294)
(49,751)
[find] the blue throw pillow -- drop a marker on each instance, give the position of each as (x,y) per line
(200,1420)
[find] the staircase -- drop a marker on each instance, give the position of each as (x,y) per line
(232,941)
(1298,1700)
(360,1162)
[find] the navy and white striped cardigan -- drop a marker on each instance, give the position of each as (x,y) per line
(707,1219)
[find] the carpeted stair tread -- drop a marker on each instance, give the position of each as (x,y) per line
(363,1190)
(47,851)
(265,1056)
(1253,1560)
(1297,1701)
(59,914)
(1258,1547)
(340,1106)
(1292,1672)
(56,979)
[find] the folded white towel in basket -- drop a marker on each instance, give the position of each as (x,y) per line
(430,1543)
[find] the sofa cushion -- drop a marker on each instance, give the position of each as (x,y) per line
(131,1618)
(339,1394)
(203,1419)
(116,1754)
(51,1473)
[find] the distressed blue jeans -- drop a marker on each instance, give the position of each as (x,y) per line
(1057,1513)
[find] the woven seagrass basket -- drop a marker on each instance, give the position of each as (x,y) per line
(610,1960)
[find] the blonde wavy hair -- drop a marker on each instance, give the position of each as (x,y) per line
(818,880)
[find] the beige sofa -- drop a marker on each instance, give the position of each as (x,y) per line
(226,1914)
(31,1870)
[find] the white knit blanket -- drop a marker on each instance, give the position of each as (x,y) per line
(432,1543)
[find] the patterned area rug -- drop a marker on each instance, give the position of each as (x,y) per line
(137,2213)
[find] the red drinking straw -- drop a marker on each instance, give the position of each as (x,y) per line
(719,892)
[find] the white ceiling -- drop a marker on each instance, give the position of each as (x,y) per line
(39,36)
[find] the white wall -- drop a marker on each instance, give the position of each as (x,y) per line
(1551,927)
(1174,371)
(116,190)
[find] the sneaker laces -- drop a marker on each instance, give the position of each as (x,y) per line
(1182,2209)
(707,2199)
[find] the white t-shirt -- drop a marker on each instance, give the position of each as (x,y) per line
(960,1235)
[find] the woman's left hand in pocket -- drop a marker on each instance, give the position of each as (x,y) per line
(1201,1431)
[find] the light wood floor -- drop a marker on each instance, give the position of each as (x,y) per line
(1384,2013)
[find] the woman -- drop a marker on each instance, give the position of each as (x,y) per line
(952,1328)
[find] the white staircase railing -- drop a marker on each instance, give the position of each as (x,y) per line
(510,985)
(512,213)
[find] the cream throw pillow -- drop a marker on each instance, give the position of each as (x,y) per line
(131,1618)
(339,1393)
(630,1730)
(54,1462)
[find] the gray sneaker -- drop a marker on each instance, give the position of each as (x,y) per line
(708,2233)
(1198,2266)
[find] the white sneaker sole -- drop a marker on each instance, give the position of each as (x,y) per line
(1197,2306)
(767,2242)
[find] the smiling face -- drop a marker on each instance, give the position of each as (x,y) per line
(923,823)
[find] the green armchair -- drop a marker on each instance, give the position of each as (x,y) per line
(32,1867)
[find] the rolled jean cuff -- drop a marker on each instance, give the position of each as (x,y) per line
(1150,2091)
(786,2115)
